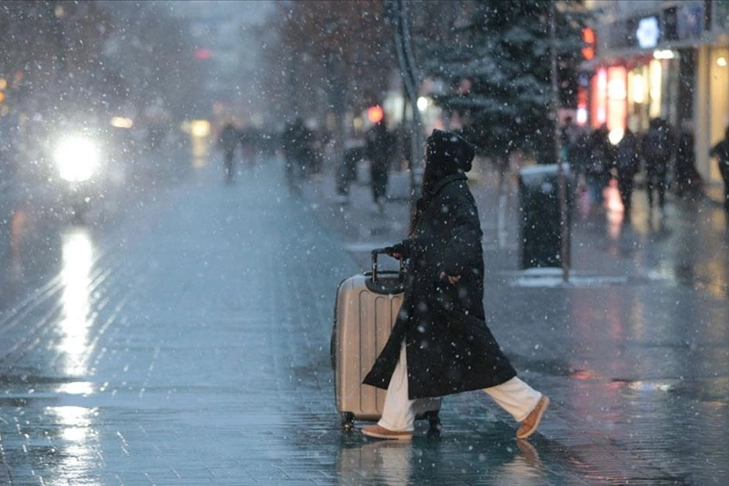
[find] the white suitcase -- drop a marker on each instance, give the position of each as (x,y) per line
(365,311)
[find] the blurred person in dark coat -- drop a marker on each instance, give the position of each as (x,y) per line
(627,164)
(440,343)
(297,149)
(657,149)
(597,167)
(721,152)
(228,141)
(688,181)
(568,134)
(579,156)
(380,145)
(249,138)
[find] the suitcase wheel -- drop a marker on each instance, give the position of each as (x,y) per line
(434,424)
(347,421)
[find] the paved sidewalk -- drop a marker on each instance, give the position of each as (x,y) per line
(190,345)
(633,349)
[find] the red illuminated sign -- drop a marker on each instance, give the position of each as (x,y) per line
(588,37)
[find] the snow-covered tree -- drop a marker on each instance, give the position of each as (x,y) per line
(495,62)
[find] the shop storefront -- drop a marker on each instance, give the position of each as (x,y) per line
(631,91)
(671,63)
(712,108)
(641,74)
(713,105)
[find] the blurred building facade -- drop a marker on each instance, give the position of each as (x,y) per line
(661,58)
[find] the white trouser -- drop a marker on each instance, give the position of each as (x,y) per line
(514,396)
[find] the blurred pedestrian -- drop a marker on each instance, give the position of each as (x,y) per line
(380,145)
(657,149)
(440,343)
(627,164)
(569,134)
(296,144)
(319,140)
(228,142)
(688,181)
(721,152)
(579,153)
(347,169)
(597,168)
(249,145)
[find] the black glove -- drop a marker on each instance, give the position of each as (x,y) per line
(397,250)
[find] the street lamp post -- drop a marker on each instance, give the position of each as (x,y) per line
(408,72)
(561,182)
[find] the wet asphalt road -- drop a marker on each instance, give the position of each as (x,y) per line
(183,338)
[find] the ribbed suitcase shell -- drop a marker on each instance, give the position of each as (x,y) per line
(363,321)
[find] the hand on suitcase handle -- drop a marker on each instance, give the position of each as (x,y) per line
(391,251)
(395,251)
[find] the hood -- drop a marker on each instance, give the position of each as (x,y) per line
(446,154)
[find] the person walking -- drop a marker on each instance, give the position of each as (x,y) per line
(657,148)
(688,182)
(720,151)
(229,137)
(379,148)
(249,145)
(597,168)
(440,343)
(568,134)
(627,164)
(296,145)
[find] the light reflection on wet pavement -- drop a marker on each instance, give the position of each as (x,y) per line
(187,342)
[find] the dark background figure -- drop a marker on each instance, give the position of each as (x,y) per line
(569,134)
(347,170)
(579,153)
(688,182)
(657,148)
(380,145)
(597,168)
(721,152)
(627,164)
(229,137)
(249,145)
(315,159)
(296,145)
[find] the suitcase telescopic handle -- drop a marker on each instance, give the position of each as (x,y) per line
(375,254)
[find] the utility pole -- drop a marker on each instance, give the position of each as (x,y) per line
(562,183)
(398,14)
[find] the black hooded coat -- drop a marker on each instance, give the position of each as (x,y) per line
(449,347)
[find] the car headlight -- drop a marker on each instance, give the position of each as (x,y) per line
(77,159)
